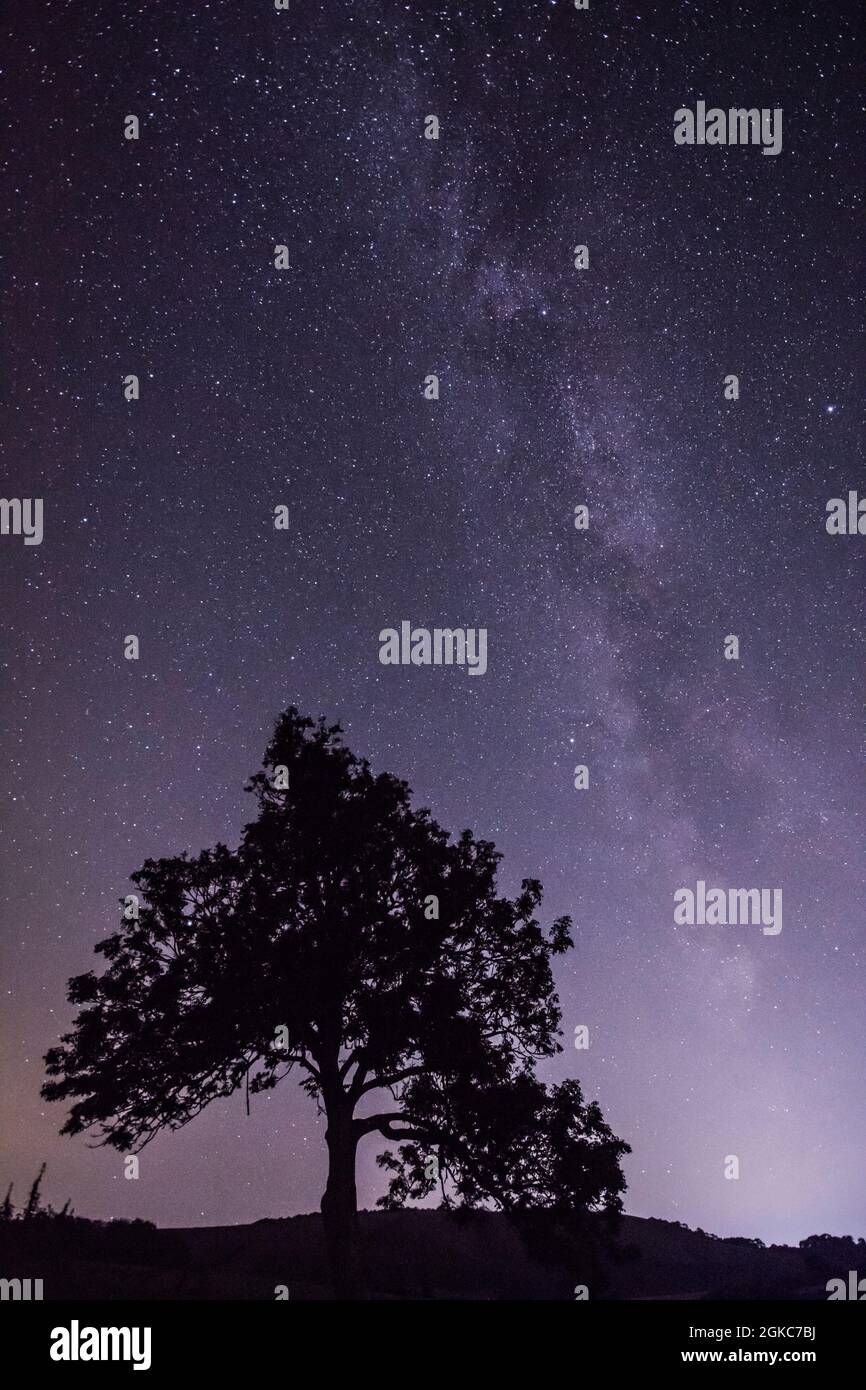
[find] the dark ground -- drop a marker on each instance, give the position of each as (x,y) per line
(414,1255)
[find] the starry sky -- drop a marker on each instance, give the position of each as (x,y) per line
(304,387)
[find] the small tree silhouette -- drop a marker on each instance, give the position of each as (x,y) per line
(349,939)
(31,1210)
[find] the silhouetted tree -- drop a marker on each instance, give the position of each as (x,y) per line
(31,1210)
(350,939)
(830,1253)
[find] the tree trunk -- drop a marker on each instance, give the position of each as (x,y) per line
(340,1208)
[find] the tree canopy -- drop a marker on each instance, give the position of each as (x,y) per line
(350,941)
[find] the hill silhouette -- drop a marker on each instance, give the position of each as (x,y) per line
(415,1254)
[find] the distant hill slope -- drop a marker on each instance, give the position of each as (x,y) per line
(413,1255)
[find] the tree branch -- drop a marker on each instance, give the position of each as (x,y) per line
(378,1083)
(370,1123)
(356,1056)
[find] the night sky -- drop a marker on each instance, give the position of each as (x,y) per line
(304,387)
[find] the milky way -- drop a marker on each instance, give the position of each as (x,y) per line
(559,387)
